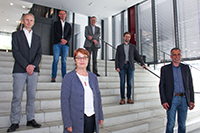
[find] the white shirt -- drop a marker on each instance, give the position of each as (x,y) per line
(63,25)
(93,29)
(28,36)
(88,96)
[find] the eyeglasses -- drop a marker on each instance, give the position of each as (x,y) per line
(127,36)
(62,13)
(79,58)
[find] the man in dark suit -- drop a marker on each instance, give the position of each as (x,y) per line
(124,64)
(27,51)
(176,91)
(62,35)
(92,33)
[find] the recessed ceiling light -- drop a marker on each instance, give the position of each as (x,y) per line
(4,30)
(11,4)
(17,21)
(7,19)
(23,7)
(90,3)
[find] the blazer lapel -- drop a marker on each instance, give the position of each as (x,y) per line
(171,75)
(24,38)
(32,40)
(91,31)
(183,75)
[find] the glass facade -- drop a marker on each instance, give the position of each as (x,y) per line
(120,25)
(189,28)
(5,40)
(162,25)
(79,30)
(165,28)
(145,30)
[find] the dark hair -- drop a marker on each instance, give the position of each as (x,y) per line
(83,51)
(126,33)
(174,49)
(63,10)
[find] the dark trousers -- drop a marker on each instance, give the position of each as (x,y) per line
(89,124)
(92,50)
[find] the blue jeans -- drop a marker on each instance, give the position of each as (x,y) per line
(57,48)
(179,104)
(126,70)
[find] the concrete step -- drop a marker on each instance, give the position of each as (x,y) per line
(57,85)
(139,126)
(148,125)
(48,115)
(47,78)
(111,104)
(192,126)
(47,127)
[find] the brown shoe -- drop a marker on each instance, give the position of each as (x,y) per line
(122,101)
(53,80)
(129,101)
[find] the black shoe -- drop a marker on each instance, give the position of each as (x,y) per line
(13,127)
(33,123)
(98,75)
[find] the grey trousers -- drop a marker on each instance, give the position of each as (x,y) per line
(94,51)
(19,80)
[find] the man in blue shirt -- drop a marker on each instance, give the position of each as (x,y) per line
(176,91)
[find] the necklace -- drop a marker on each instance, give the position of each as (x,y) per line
(83,79)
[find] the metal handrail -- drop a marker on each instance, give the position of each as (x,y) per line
(107,44)
(165,53)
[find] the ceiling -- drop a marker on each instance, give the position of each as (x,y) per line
(99,8)
(10,14)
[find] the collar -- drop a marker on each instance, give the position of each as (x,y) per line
(92,26)
(62,21)
(126,44)
(174,66)
(26,31)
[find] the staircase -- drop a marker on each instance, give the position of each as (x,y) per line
(145,116)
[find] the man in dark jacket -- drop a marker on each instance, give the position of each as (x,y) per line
(176,91)
(27,52)
(124,64)
(62,35)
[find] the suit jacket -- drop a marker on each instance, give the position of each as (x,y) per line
(133,54)
(24,55)
(89,32)
(166,85)
(58,32)
(72,102)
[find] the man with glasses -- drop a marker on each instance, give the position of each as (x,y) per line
(176,91)
(124,64)
(62,35)
(92,33)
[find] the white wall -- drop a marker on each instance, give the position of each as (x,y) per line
(108,34)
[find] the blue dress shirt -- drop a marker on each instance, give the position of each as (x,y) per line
(178,80)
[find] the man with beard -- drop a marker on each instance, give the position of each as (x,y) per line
(124,64)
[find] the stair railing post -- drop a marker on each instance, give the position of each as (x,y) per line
(106,54)
(133,87)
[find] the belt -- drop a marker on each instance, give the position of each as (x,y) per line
(126,62)
(179,94)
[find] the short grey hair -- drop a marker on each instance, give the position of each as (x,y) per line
(28,14)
